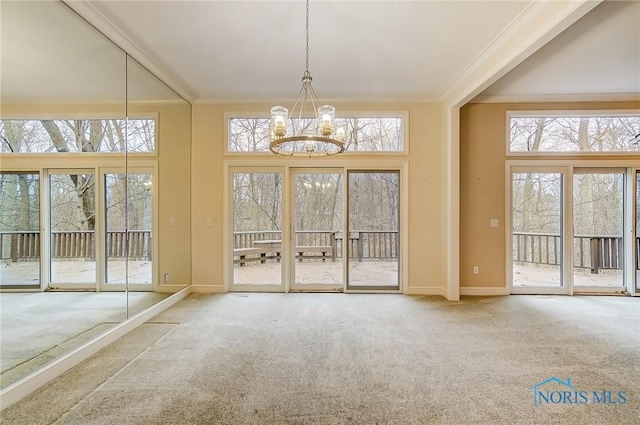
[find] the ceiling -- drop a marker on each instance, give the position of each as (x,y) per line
(599,54)
(49,55)
(371,50)
(246,51)
(254,50)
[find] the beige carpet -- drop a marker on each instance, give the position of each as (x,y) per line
(358,359)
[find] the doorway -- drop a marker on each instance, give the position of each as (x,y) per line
(328,229)
(572,230)
(77,229)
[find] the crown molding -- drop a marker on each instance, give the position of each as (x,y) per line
(556,98)
(333,101)
(535,26)
(95,18)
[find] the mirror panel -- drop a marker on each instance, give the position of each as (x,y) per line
(60,79)
(158,198)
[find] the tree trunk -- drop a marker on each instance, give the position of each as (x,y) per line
(528,220)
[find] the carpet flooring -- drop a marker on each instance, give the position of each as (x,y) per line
(359,359)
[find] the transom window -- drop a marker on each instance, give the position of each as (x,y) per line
(363,134)
(77,135)
(580,132)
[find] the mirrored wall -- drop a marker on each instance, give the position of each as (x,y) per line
(83,127)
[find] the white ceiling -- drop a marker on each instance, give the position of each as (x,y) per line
(242,51)
(50,55)
(599,54)
(254,50)
(370,50)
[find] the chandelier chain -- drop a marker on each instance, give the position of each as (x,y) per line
(311,136)
(307,35)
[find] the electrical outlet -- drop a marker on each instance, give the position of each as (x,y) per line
(476,269)
(494,222)
(166,278)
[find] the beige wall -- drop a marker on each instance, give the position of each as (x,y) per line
(174,195)
(427,191)
(483,138)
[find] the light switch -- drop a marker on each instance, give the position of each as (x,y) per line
(209,221)
(172,221)
(494,222)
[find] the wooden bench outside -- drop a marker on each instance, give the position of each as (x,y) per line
(327,252)
(246,255)
(243,252)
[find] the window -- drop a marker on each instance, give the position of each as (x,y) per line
(363,134)
(77,135)
(536,132)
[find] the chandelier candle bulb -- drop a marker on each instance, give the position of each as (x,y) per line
(310,146)
(327,114)
(278,121)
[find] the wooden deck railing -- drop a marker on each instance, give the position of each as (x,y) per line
(363,244)
(18,245)
(594,252)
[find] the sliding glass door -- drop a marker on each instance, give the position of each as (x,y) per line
(318,217)
(80,249)
(20,236)
(128,254)
(291,230)
(256,240)
(637,232)
(373,240)
(72,229)
(598,229)
(536,234)
(574,237)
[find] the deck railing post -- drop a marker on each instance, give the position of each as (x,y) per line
(595,255)
(14,247)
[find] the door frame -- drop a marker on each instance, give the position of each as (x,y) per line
(37,287)
(46,248)
(566,211)
(633,226)
(108,164)
(228,243)
(567,166)
(150,167)
(400,225)
(273,163)
(291,240)
(626,205)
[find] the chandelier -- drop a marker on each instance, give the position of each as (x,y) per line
(297,132)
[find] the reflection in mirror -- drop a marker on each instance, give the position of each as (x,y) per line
(163,125)
(162,129)
(63,105)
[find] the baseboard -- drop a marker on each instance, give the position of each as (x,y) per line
(208,289)
(172,289)
(426,290)
(484,291)
(25,386)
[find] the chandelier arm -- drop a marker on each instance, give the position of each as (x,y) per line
(314,102)
(305,87)
(292,111)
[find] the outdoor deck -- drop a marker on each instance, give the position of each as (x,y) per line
(71,272)
(370,273)
(549,277)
